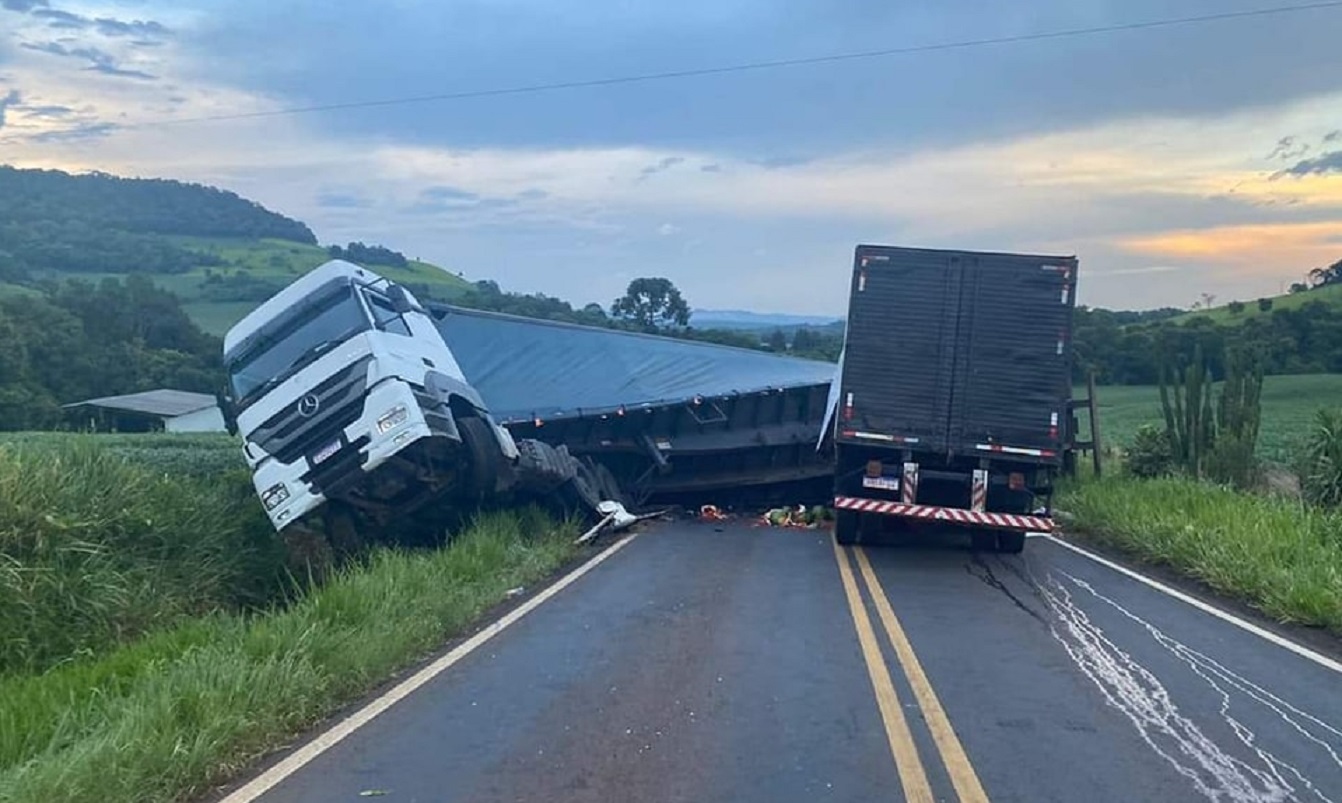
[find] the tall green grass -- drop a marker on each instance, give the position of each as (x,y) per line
(96,548)
(1278,555)
(167,717)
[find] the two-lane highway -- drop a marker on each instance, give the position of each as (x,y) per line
(702,663)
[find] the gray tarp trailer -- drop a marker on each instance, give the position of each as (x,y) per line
(670,419)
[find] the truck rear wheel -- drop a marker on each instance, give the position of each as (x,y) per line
(983,540)
(847,527)
(1011,542)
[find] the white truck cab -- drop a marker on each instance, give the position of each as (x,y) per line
(343,389)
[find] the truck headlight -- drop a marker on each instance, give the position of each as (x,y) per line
(392,419)
(275,495)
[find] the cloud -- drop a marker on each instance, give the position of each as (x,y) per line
(667,229)
(1245,249)
(99,60)
(13,98)
(339,200)
(1288,148)
(22,6)
(443,194)
(662,165)
(138,28)
(532,194)
(111,69)
(62,19)
(710,168)
(1333,136)
(783,161)
(1318,166)
(51,112)
(79,132)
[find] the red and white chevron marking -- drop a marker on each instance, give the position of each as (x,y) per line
(954,515)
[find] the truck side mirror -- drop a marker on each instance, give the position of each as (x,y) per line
(400,300)
(225,402)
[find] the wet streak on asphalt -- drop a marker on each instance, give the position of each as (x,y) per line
(704,665)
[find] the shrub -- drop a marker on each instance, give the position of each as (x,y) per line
(1321,469)
(1236,307)
(1150,454)
(1264,304)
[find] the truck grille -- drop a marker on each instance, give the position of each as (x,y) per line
(289,434)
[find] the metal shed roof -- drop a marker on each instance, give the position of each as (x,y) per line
(166,403)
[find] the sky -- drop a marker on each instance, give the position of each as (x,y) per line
(1176,162)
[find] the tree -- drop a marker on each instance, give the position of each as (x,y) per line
(652,303)
(1299,287)
(1264,304)
(1236,307)
(777,341)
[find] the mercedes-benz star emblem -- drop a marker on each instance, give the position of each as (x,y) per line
(307,406)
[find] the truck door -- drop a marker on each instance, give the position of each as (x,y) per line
(1015,366)
(899,362)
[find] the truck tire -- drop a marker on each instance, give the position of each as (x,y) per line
(983,540)
(483,452)
(847,527)
(1010,542)
(607,485)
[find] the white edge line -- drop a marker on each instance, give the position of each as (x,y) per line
(1302,651)
(329,738)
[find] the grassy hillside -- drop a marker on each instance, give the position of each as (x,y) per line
(245,272)
(1329,294)
(1289,404)
(219,253)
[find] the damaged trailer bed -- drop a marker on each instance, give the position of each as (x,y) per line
(673,420)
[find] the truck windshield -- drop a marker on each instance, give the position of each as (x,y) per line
(302,339)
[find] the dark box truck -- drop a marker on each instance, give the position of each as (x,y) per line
(953,392)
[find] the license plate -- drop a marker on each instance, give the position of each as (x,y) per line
(884,483)
(326,451)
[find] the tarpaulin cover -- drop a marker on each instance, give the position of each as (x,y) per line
(526,368)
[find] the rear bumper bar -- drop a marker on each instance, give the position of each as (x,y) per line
(950,515)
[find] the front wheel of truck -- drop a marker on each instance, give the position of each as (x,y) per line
(483,452)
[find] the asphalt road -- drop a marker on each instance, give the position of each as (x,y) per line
(748,664)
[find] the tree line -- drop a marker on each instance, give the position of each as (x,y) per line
(79,340)
(52,221)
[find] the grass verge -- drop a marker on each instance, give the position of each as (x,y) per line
(168,717)
(1277,555)
(98,546)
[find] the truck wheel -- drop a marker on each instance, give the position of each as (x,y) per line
(983,540)
(483,452)
(846,527)
(607,484)
(343,530)
(1011,542)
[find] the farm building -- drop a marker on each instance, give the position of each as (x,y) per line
(152,411)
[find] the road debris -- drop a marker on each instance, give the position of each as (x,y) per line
(713,513)
(797,517)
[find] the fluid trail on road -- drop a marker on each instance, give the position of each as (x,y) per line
(1135,691)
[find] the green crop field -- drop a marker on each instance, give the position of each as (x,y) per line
(273,263)
(1289,404)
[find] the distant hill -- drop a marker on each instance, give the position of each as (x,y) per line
(743,319)
(1232,314)
(220,253)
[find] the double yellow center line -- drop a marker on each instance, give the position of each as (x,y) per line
(909,765)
